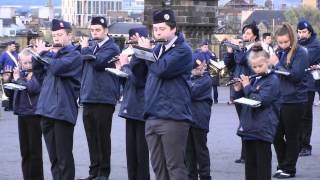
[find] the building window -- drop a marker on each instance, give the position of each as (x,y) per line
(89,7)
(112,6)
(79,20)
(93,7)
(97,7)
(109,7)
(104,7)
(78,7)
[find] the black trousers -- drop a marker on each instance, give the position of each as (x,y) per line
(30,147)
(167,143)
(215,93)
(137,151)
(307,120)
(258,160)
(197,156)
(97,121)
(238,109)
(58,135)
(286,142)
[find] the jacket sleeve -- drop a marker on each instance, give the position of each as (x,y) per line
(67,65)
(174,64)
(300,63)
(102,57)
(137,70)
(240,57)
(265,94)
(228,60)
(33,86)
(39,70)
(200,87)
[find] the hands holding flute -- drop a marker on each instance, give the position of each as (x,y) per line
(243,81)
(41,46)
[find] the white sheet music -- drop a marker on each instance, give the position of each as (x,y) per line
(117,72)
(13,86)
(249,102)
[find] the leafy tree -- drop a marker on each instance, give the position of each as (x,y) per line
(294,15)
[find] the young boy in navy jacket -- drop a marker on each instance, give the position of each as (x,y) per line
(197,154)
(57,104)
(24,105)
(167,105)
(258,124)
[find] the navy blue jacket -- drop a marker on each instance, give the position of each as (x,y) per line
(237,63)
(260,123)
(206,56)
(133,92)
(61,84)
(313,47)
(293,88)
(6,61)
(98,85)
(167,93)
(25,101)
(201,99)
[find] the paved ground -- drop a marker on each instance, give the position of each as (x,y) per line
(223,144)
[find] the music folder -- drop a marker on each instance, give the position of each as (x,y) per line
(117,72)
(249,102)
(14,86)
(144,53)
(219,65)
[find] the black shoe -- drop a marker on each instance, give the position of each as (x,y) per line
(216,101)
(90,177)
(240,161)
(305,152)
(284,175)
(278,172)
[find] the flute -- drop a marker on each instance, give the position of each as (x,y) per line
(235,80)
(47,45)
(153,41)
(233,46)
(116,58)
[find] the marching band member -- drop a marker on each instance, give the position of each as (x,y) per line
(57,104)
(258,124)
(8,61)
(197,153)
(207,55)
(267,43)
(99,94)
(292,58)
(167,106)
(237,62)
(308,39)
(132,110)
(24,105)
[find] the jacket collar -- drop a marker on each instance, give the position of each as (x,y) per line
(179,40)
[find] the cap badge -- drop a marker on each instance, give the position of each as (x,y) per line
(166,17)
